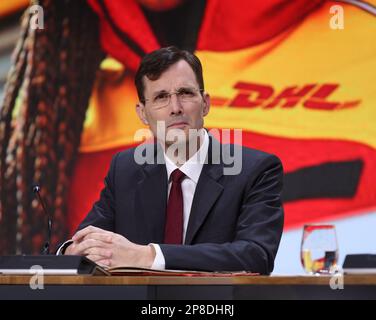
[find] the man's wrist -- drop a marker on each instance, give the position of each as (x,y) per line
(147,256)
(66,250)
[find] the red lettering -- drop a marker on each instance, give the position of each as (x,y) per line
(350,104)
(218,101)
(255,95)
(252,95)
(317,100)
(291,95)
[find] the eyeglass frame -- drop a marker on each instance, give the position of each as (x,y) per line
(171,93)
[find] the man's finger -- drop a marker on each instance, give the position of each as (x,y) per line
(85,245)
(106,237)
(82,233)
(104,253)
(104,262)
(99,260)
(94,257)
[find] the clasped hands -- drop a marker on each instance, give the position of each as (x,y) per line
(110,249)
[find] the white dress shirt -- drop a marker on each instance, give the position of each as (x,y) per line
(192,169)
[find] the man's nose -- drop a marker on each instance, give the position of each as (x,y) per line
(175,104)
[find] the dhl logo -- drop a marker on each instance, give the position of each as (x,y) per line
(310,96)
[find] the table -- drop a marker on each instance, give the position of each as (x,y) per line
(189,288)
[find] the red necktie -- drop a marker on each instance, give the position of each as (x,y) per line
(174,214)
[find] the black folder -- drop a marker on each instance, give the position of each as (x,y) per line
(359,264)
(49,265)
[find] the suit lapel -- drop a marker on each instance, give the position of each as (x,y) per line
(207,191)
(151,198)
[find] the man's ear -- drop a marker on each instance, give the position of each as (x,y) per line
(206,104)
(140,109)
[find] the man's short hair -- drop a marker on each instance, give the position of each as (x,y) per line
(158,61)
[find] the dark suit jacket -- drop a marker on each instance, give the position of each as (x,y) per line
(235,222)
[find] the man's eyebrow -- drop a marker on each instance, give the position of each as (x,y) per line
(187,87)
(159,92)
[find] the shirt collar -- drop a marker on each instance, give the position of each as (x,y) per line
(193,166)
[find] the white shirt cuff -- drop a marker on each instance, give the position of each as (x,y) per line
(62,248)
(159,260)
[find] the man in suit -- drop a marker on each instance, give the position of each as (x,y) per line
(175,210)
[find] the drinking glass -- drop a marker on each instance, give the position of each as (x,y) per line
(319,249)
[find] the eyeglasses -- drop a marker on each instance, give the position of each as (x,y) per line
(184,95)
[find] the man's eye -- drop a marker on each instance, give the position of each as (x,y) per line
(186,93)
(161,96)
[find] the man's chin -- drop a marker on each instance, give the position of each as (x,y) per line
(179,126)
(180,135)
(177,134)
